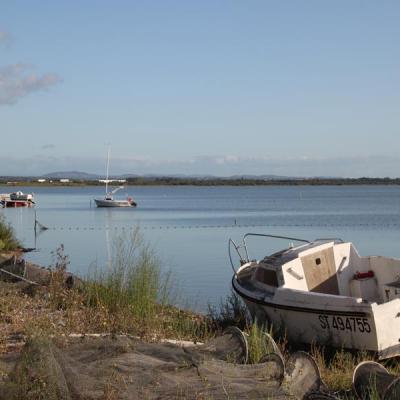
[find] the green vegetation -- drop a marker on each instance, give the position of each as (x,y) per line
(211,181)
(133,285)
(8,240)
(254,181)
(258,343)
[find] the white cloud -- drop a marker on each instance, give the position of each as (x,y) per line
(19,80)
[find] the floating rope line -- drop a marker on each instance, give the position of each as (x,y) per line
(179,227)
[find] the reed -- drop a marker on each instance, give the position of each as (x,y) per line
(8,241)
(132,284)
(135,295)
(257,343)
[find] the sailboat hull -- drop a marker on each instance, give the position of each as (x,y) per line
(114,203)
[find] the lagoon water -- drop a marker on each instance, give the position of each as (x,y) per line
(189,227)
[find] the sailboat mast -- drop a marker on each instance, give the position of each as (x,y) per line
(108,165)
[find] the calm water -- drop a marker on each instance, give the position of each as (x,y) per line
(189,227)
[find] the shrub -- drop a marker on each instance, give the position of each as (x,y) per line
(8,241)
(133,285)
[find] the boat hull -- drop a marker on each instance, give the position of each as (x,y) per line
(358,328)
(113,203)
(17,203)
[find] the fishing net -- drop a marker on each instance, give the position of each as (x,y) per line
(372,380)
(127,368)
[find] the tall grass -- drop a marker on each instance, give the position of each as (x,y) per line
(136,295)
(8,241)
(258,339)
(132,283)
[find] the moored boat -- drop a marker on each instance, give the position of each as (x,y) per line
(109,200)
(19,196)
(17,199)
(323,292)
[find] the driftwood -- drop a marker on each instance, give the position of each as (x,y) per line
(15,270)
(17,276)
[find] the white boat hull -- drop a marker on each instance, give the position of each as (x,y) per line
(113,203)
(360,328)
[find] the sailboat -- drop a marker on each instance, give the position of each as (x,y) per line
(109,200)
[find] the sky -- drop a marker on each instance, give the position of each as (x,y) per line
(294,88)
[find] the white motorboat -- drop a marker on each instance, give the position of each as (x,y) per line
(323,292)
(109,200)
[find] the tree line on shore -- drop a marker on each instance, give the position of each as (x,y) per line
(213,181)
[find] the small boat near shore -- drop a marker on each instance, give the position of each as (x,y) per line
(17,199)
(323,292)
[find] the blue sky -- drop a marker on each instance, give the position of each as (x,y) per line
(213,87)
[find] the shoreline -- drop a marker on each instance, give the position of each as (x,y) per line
(212,182)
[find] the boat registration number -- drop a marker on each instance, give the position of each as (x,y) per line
(352,324)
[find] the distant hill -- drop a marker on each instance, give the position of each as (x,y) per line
(70,175)
(264,177)
(86,176)
(213,177)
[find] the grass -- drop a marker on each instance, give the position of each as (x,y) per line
(337,366)
(258,343)
(133,282)
(131,295)
(8,241)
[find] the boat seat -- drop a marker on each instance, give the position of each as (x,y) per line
(267,276)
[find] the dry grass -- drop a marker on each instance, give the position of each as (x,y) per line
(23,315)
(337,366)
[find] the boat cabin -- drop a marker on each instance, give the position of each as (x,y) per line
(328,267)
